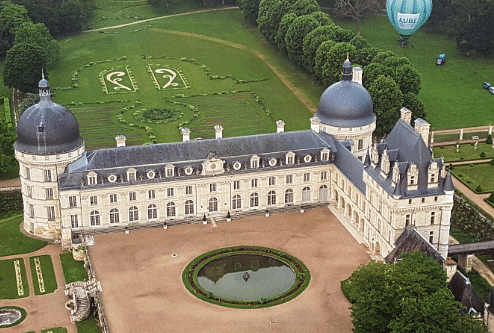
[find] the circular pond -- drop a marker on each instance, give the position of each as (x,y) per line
(246,277)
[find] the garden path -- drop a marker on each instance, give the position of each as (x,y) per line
(477,198)
(297,92)
(43,311)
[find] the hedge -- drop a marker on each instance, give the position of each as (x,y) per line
(8,115)
(11,200)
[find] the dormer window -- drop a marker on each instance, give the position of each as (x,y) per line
(272,162)
(188,170)
(433,175)
(151,174)
(307,158)
(290,158)
(170,171)
(237,165)
(254,162)
(396,174)
(92,178)
(131,174)
(385,165)
(325,154)
(413,177)
(112,178)
(374,155)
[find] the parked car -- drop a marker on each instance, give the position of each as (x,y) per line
(491,90)
(441,59)
(487,85)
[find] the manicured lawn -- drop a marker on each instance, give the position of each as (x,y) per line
(452,93)
(55,330)
(8,282)
(467,152)
(473,176)
(73,270)
(47,272)
(12,240)
(88,325)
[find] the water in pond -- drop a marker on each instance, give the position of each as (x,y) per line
(246,277)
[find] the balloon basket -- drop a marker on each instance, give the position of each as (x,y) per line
(403,40)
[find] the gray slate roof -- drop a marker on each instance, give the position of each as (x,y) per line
(194,153)
(464,293)
(406,146)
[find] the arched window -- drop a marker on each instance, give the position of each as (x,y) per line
(189,207)
(289,196)
(271,198)
(152,212)
(213,205)
(170,209)
(306,194)
(254,200)
(95,216)
(323,193)
(114,216)
(133,214)
(236,202)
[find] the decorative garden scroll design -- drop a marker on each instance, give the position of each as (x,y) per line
(166,76)
(118,80)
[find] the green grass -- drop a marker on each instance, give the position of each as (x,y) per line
(12,239)
(23,314)
(73,270)
(88,325)
(48,273)
(473,176)
(8,282)
(55,330)
(460,236)
(452,94)
(467,152)
(481,286)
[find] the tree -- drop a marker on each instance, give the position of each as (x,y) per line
(413,103)
(250,9)
(409,296)
(388,100)
(7,139)
(373,71)
(408,79)
(321,58)
(270,15)
(331,70)
(365,53)
(305,7)
(285,23)
(312,42)
(358,9)
(11,17)
(295,35)
(23,65)
(71,17)
(383,55)
(488,140)
(323,18)
(37,34)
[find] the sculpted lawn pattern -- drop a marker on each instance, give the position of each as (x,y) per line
(165,76)
(18,277)
(41,282)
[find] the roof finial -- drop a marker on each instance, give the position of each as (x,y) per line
(348,56)
(42,74)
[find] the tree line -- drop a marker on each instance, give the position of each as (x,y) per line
(313,42)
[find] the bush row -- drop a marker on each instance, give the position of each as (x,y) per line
(471,220)
(7,113)
(11,200)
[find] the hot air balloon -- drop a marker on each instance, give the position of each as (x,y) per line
(407,16)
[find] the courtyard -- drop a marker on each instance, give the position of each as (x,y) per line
(143,289)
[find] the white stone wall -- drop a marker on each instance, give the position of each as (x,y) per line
(353,133)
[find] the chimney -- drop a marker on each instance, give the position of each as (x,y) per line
(406,115)
(357,75)
(314,124)
(422,127)
(185,134)
(120,140)
(280,126)
(219,131)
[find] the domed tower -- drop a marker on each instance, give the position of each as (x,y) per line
(346,111)
(48,140)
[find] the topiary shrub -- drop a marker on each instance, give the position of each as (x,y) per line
(491,197)
(482,154)
(489,139)
(491,162)
(478,189)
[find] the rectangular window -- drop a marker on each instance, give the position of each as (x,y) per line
(289,179)
(47,174)
(29,191)
(409,201)
(360,144)
(325,156)
(50,212)
(169,172)
(272,181)
(431,237)
(72,201)
(324,175)
(132,176)
(28,173)
(188,190)
(93,200)
(113,198)
(253,183)
(423,200)
(289,160)
(132,196)
(170,192)
(435,198)
(254,163)
(49,193)
(212,187)
(236,184)
(152,194)
(31,211)
(433,217)
(74,221)
(306,177)
(408,219)
(92,180)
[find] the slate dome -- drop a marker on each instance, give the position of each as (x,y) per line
(346,103)
(47,128)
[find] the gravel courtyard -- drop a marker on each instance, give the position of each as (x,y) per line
(143,289)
